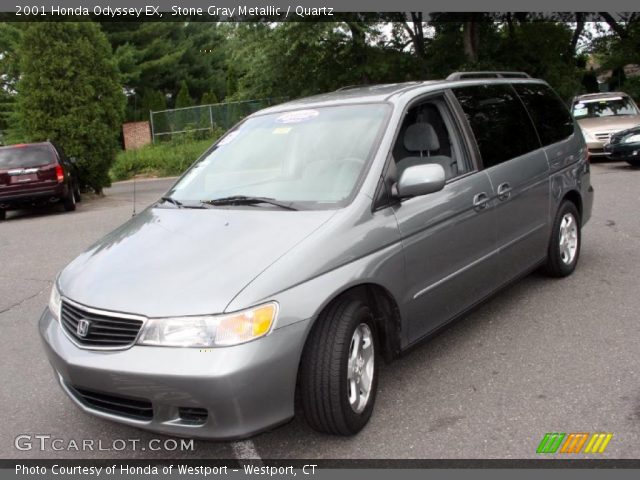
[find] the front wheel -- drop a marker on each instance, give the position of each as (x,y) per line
(339,369)
(564,245)
(635,162)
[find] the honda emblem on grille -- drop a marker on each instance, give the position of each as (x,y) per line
(83,328)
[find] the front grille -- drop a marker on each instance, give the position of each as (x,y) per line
(603,136)
(136,408)
(101,330)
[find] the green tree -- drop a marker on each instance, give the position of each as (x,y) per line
(152,101)
(183,99)
(209,98)
(69,93)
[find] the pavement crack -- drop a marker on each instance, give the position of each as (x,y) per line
(17,304)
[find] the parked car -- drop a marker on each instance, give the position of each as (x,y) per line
(315,238)
(36,174)
(601,115)
(625,145)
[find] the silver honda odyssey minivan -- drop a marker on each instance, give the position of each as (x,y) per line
(314,240)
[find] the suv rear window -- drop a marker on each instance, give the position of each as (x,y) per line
(25,156)
(499,121)
(552,119)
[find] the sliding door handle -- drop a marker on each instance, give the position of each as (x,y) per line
(480,201)
(504,191)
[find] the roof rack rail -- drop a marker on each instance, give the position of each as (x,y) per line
(351,87)
(470,75)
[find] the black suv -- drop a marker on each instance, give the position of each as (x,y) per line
(36,174)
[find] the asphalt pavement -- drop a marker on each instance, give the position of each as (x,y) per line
(542,356)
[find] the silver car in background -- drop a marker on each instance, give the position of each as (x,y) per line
(313,240)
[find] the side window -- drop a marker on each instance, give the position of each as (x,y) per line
(426,136)
(551,117)
(499,122)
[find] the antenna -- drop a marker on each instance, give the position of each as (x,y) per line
(133,214)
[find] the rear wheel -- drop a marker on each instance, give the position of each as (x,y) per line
(564,245)
(76,193)
(339,369)
(69,201)
(3,214)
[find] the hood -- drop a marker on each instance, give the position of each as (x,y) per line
(172,262)
(613,123)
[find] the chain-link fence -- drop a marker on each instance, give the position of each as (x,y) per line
(204,120)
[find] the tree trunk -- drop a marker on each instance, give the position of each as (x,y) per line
(471,40)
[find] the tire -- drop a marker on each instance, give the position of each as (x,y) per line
(564,251)
(69,202)
(329,401)
(634,162)
(3,214)
(76,193)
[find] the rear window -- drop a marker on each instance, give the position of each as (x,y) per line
(499,121)
(552,119)
(25,157)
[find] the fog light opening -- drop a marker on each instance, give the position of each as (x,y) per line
(193,415)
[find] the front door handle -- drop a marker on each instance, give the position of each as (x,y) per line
(480,201)
(504,191)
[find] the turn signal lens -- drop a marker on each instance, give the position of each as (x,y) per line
(245,326)
(55,302)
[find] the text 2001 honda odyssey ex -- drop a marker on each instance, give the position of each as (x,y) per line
(314,239)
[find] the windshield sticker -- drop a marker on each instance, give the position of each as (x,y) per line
(297,117)
(229,138)
(281,130)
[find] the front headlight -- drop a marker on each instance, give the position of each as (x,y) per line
(632,139)
(210,331)
(55,302)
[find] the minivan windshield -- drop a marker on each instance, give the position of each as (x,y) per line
(606,107)
(310,157)
(25,156)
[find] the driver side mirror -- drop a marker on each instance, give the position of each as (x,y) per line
(420,180)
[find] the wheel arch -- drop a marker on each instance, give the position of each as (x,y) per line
(574,197)
(385,311)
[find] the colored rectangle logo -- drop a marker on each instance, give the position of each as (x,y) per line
(572,443)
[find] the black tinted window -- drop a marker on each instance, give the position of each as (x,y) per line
(25,156)
(551,117)
(499,122)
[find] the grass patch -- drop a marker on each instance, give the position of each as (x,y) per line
(161,159)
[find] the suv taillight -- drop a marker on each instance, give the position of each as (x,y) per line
(59,173)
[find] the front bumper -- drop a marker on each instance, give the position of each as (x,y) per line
(622,151)
(30,196)
(596,149)
(245,389)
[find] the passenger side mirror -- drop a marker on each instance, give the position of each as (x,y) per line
(420,180)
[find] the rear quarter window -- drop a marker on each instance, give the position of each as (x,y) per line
(25,156)
(499,121)
(550,116)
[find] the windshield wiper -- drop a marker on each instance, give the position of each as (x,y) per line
(173,201)
(246,200)
(180,204)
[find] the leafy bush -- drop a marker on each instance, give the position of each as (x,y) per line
(632,87)
(161,159)
(69,92)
